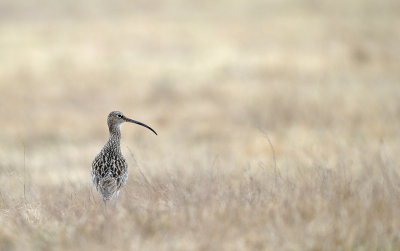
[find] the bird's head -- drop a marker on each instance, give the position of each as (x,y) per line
(116,118)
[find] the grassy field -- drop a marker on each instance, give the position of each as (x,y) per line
(278,122)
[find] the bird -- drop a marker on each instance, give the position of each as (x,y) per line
(109,171)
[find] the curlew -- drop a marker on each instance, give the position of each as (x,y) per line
(109,168)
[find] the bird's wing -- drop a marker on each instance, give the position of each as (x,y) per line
(119,171)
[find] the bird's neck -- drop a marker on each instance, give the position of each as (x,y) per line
(114,140)
(115,130)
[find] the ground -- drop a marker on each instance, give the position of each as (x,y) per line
(278,124)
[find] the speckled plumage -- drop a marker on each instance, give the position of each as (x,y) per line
(109,168)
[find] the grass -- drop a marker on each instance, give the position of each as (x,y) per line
(278,124)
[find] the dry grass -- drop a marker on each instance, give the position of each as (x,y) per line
(320,79)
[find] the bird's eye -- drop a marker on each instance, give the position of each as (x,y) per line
(119,116)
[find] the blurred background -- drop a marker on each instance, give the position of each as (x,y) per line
(321,79)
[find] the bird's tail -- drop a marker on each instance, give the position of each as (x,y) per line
(108,188)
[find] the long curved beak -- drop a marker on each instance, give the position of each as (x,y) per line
(139,123)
